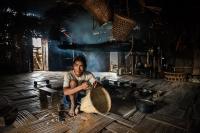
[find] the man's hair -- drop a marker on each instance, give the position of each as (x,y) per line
(82,59)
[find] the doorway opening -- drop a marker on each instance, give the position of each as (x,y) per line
(40,54)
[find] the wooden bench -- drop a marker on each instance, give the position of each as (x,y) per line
(41,83)
(46,91)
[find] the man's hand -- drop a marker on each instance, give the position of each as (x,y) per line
(95,84)
(85,85)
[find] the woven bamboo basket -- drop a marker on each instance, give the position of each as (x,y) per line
(96,101)
(175,76)
(99,9)
(122,27)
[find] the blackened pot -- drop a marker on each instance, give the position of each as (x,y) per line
(145,106)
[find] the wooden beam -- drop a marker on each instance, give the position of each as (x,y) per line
(106,47)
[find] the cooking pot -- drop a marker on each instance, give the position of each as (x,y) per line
(145,106)
(143,93)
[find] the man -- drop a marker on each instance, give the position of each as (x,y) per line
(76,82)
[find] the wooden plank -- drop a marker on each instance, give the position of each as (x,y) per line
(83,122)
(122,121)
(26,101)
(10,94)
(177,102)
(42,127)
(146,126)
(29,107)
(98,126)
(129,113)
(104,121)
(137,117)
(106,131)
(22,89)
(41,113)
(177,123)
(176,95)
(119,128)
(6,88)
(151,126)
(46,89)
(172,111)
(24,117)
(195,126)
(187,100)
(20,97)
(196,109)
(161,128)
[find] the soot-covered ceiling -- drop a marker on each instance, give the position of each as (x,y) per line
(171,8)
(52,15)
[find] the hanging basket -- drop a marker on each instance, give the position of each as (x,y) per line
(99,9)
(122,27)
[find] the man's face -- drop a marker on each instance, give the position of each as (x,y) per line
(78,68)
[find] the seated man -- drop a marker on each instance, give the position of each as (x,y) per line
(76,82)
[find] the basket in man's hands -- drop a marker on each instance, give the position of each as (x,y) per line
(97,100)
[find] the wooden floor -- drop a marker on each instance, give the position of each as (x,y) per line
(178,108)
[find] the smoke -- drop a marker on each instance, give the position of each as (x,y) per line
(96,61)
(85,30)
(60,59)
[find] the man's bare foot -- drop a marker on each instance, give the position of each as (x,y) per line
(71,111)
(77,109)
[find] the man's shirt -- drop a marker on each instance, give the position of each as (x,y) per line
(86,76)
